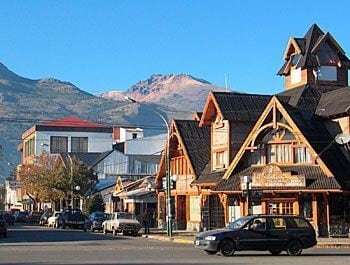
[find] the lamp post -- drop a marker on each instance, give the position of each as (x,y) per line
(167,167)
(247,180)
(71,174)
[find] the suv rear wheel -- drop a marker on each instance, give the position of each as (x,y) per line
(227,247)
(294,248)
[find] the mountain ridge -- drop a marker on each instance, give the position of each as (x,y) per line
(25,102)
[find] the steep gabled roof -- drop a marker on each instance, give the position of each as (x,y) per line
(316,133)
(307,48)
(234,106)
(196,141)
(309,129)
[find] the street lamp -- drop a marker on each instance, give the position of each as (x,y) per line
(71,173)
(167,166)
(247,180)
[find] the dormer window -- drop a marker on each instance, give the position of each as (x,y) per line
(327,73)
(295,58)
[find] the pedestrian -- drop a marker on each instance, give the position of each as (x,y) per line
(145,221)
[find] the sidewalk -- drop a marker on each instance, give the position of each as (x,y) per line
(187,237)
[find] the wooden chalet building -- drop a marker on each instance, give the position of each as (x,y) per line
(284,144)
(291,156)
(189,153)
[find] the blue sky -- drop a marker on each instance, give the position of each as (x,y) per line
(111,45)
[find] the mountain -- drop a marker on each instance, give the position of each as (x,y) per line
(25,102)
(168,90)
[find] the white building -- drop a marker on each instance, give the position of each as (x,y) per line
(65,135)
(122,134)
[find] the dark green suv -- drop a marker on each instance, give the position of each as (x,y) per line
(273,233)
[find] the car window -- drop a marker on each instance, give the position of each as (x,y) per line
(240,222)
(301,223)
(258,224)
(276,223)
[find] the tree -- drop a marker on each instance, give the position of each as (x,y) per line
(49,178)
(94,204)
(45,179)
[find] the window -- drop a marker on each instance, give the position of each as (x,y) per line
(257,157)
(295,59)
(220,159)
(284,153)
(281,208)
(276,223)
(327,73)
(271,153)
(29,147)
(58,144)
(302,155)
(79,144)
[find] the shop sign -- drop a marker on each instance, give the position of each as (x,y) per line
(272,176)
(15,184)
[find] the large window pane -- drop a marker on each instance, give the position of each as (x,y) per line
(79,144)
(58,144)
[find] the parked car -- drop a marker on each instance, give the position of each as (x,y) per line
(3,226)
(33,217)
(9,218)
(55,220)
(73,218)
(44,217)
(20,217)
(121,222)
(94,221)
(273,233)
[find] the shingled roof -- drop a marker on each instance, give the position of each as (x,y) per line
(197,143)
(306,45)
(241,107)
(314,177)
(334,103)
(306,97)
(208,177)
(315,131)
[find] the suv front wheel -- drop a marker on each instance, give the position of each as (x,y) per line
(294,248)
(227,247)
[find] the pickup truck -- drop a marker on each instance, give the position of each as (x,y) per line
(121,222)
(72,218)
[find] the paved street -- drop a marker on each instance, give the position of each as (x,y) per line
(42,245)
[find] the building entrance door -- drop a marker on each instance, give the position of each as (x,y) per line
(181,212)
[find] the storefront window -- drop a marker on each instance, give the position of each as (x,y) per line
(305,206)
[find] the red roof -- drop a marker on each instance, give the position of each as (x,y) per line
(72,122)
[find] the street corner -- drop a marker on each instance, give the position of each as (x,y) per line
(158,237)
(183,240)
